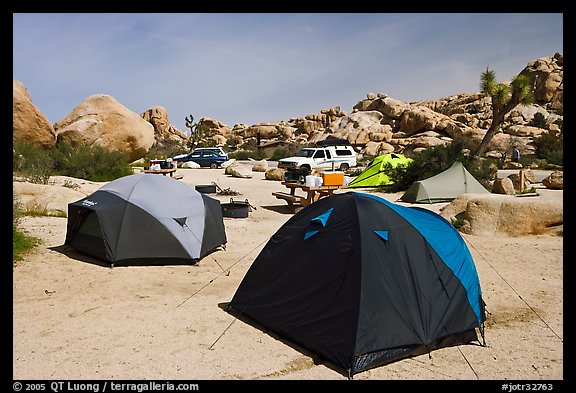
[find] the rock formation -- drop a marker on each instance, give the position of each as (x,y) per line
(101,120)
(164,131)
(28,122)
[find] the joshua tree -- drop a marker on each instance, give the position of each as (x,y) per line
(504,99)
(197,131)
(190,124)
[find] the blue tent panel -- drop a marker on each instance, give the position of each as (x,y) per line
(447,242)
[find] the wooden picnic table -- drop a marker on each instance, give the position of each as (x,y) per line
(313,193)
(167,171)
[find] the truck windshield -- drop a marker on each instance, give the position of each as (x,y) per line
(306,153)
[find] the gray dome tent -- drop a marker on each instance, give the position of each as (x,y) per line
(145,219)
(444,186)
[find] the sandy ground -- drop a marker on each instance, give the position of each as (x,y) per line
(75,319)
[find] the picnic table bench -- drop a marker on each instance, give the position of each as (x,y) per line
(290,198)
(313,193)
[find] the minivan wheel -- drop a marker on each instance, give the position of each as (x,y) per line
(213,165)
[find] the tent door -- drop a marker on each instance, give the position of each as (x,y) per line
(88,236)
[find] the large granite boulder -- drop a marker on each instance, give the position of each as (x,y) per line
(101,120)
(554,181)
(505,214)
(28,122)
(163,129)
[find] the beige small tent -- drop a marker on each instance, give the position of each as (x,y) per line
(444,186)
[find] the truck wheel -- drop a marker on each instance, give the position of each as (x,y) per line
(344,166)
(305,170)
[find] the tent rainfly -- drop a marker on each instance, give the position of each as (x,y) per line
(375,174)
(444,186)
(145,219)
(364,282)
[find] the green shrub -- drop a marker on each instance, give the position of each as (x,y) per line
(245,155)
(32,162)
(231,143)
(538,120)
(436,159)
(457,223)
(550,146)
(485,170)
(559,123)
(21,243)
(207,143)
(279,154)
(163,149)
(94,163)
(426,163)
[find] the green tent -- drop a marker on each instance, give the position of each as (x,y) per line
(444,186)
(374,175)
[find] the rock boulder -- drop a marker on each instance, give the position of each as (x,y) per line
(101,120)
(28,122)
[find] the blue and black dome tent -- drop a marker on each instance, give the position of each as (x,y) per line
(145,219)
(363,282)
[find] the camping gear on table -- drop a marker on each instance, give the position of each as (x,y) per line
(334,178)
(444,186)
(374,175)
(143,219)
(363,282)
(296,175)
(236,209)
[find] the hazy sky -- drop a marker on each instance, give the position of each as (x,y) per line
(257,67)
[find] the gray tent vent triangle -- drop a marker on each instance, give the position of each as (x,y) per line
(444,186)
(180,220)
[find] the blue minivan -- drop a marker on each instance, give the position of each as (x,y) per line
(205,157)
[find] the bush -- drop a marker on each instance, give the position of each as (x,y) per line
(279,154)
(94,163)
(485,170)
(425,164)
(250,144)
(434,160)
(32,162)
(550,146)
(21,243)
(245,155)
(538,120)
(163,149)
(457,223)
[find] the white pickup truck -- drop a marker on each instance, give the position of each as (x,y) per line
(339,157)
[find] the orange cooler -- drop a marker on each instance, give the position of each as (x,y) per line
(335,178)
